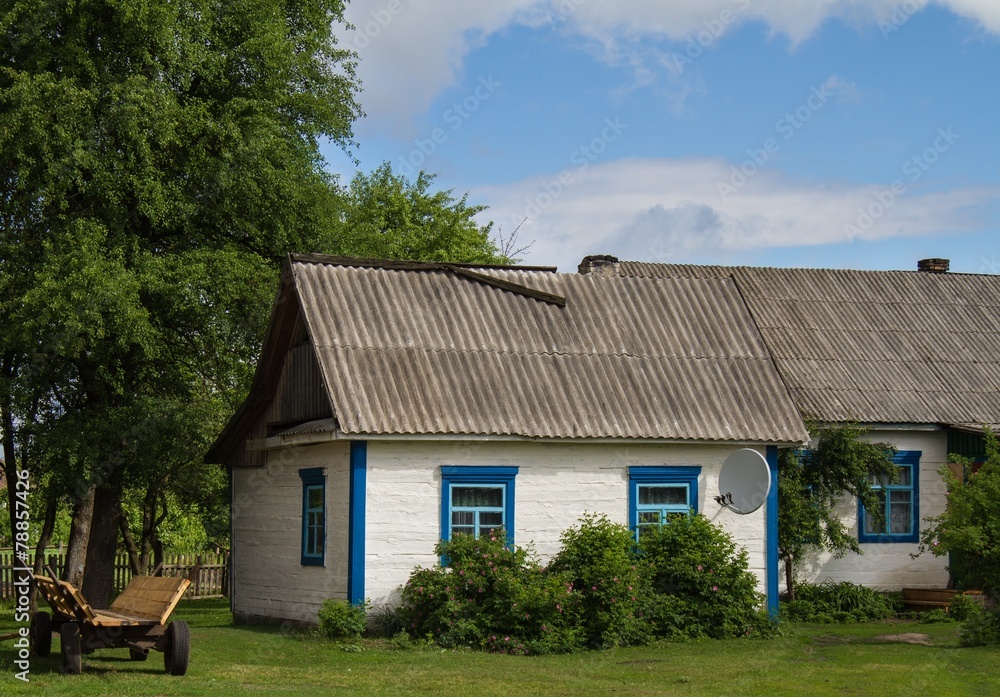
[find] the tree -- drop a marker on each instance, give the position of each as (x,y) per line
(154,157)
(811,484)
(969,528)
(158,160)
(384,215)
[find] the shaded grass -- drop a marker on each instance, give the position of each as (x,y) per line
(807,660)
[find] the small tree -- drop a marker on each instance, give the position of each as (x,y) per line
(969,528)
(811,484)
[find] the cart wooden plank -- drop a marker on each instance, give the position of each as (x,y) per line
(151,597)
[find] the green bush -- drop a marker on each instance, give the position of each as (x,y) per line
(601,590)
(701,582)
(844,602)
(612,591)
(338,619)
(981,626)
(490,597)
(962,606)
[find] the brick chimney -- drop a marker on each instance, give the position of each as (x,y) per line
(933,265)
(595,261)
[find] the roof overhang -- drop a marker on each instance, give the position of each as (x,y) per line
(326,430)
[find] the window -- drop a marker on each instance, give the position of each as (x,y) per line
(899,502)
(656,493)
(477,501)
(313,516)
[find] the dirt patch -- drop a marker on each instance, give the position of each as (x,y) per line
(907,638)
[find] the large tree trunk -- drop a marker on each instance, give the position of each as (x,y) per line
(79,536)
(99,572)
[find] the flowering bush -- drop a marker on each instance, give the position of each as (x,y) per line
(490,597)
(598,557)
(701,582)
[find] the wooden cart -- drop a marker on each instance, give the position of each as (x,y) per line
(136,620)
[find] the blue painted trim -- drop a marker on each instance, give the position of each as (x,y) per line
(645,474)
(312,478)
(459,474)
(771,534)
(912,459)
(356,539)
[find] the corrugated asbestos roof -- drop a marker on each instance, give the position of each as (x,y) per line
(417,350)
(871,346)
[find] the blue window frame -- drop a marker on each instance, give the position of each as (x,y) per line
(900,504)
(313,516)
(656,493)
(477,500)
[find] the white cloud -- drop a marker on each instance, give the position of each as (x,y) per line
(412,50)
(672,210)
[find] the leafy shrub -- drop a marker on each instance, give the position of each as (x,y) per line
(490,597)
(701,582)
(843,602)
(981,626)
(962,606)
(338,619)
(612,592)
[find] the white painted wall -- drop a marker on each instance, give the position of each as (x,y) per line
(556,484)
(269,579)
(888,565)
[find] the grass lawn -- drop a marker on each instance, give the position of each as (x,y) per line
(809,660)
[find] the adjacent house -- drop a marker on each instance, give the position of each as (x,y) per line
(913,355)
(399,403)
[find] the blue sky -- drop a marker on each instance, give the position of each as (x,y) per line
(847,133)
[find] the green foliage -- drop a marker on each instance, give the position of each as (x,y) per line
(831,602)
(339,619)
(702,583)
(812,484)
(981,626)
(612,591)
(687,580)
(158,160)
(490,597)
(386,216)
(969,528)
(963,606)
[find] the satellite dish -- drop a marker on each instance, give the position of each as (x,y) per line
(744,481)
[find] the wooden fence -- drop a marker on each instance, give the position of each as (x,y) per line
(212,580)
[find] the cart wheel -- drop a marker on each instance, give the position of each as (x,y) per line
(69,633)
(135,655)
(40,634)
(178,649)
